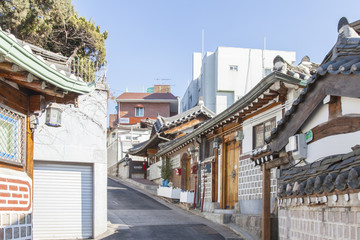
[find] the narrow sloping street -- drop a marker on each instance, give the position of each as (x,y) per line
(138,215)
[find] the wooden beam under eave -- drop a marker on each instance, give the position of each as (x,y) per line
(13,98)
(151,151)
(36,86)
(183,126)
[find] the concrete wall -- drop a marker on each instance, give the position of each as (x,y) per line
(80,139)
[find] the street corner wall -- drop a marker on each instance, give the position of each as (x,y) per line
(335,216)
(15,205)
(81,136)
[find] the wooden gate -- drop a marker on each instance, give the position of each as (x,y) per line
(230,174)
(185,172)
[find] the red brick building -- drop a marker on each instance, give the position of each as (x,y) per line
(133,107)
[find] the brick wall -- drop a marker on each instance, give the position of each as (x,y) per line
(151,110)
(326,217)
(15,208)
(176,179)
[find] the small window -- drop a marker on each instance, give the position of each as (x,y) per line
(263,131)
(267,71)
(209,149)
(233,68)
(139,111)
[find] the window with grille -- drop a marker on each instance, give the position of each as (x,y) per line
(12,136)
(263,131)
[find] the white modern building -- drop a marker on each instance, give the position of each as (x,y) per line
(121,139)
(224,76)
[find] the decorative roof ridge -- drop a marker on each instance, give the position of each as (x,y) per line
(21,56)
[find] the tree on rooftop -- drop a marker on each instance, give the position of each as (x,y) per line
(55,26)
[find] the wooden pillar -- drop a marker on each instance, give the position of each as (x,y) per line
(29,149)
(266,229)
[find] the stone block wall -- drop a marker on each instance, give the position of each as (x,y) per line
(15,225)
(323,217)
(250,181)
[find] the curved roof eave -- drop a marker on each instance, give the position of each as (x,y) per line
(237,106)
(28,61)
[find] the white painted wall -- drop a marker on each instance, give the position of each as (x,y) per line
(350,105)
(216,76)
(248,125)
(336,144)
(80,139)
(320,116)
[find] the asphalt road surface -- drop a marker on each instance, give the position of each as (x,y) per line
(138,215)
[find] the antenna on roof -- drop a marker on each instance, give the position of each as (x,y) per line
(202,43)
(263,59)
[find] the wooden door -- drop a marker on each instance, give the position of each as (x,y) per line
(231,179)
(185,173)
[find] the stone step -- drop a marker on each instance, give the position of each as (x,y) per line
(224,211)
(218,217)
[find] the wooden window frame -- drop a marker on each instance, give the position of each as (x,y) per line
(136,111)
(263,124)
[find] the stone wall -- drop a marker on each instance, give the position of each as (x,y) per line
(324,217)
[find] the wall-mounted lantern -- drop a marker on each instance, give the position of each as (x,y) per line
(239,135)
(217,142)
(53,115)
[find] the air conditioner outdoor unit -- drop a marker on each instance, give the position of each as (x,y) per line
(297,145)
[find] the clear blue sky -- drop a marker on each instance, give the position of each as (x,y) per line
(155,39)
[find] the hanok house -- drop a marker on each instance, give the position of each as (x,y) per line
(316,145)
(27,83)
(228,139)
(165,132)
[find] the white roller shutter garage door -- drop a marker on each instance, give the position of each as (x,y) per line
(63,201)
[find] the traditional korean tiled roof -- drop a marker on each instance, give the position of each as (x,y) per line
(344,58)
(164,123)
(21,54)
(337,172)
(146,96)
